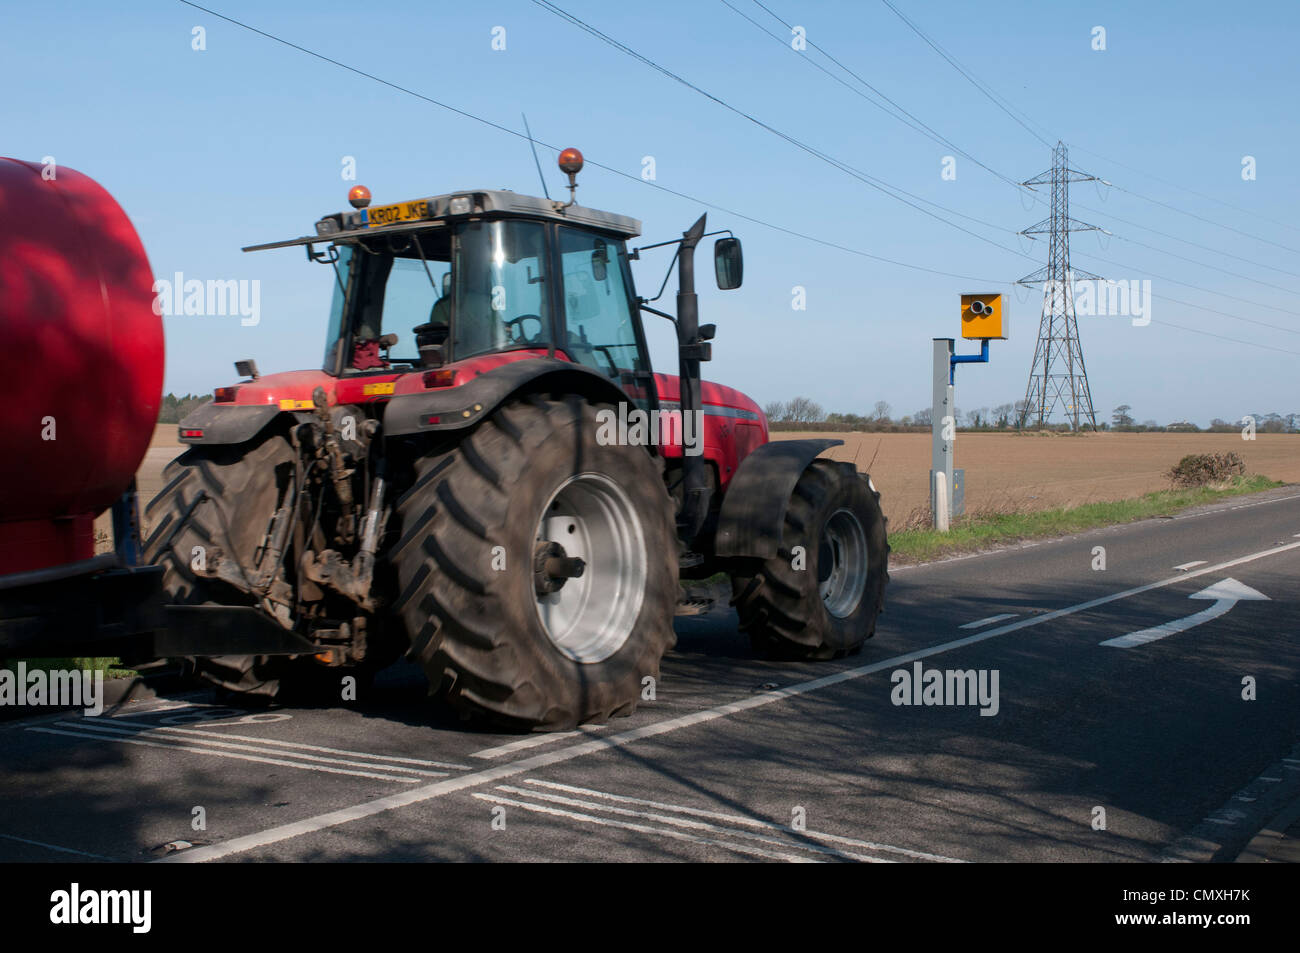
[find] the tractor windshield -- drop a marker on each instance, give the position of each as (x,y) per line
(452,292)
(499,286)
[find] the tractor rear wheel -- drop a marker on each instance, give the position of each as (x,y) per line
(216,502)
(820,595)
(537,568)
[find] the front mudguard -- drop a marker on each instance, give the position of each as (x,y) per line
(753,510)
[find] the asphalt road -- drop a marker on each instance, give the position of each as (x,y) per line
(1141,750)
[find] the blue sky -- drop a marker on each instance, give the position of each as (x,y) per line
(244,141)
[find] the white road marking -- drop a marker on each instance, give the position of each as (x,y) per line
(306,747)
(741,820)
(152,711)
(687,823)
(646,829)
(603,743)
(1225,594)
(734,819)
(109,712)
(62,850)
(94,736)
(532,741)
(1239,506)
(1192,565)
(980,623)
(90,725)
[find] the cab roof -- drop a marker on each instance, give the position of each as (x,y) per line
(459,206)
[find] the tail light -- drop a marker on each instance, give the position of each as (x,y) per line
(224,395)
(442,378)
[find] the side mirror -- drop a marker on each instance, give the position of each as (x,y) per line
(728,263)
(599,261)
(446,283)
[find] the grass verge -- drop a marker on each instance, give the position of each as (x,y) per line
(984,530)
(111,667)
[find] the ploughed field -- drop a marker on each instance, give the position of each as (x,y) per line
(1039,471)
(1004,472)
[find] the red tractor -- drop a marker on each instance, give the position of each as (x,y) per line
(487,475)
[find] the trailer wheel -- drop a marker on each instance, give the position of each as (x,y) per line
(537,568)
(820,595)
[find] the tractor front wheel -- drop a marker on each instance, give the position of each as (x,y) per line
(820,595)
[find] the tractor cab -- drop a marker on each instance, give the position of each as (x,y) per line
(440,281)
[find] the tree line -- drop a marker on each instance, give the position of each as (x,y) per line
(174,409)
(804,413)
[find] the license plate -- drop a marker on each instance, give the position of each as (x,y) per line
(382,215)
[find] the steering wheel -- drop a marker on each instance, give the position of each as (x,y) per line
(519,335)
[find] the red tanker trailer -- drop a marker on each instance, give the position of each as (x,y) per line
(84,380)
(80,397)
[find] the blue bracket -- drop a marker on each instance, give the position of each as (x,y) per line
(955,359)
(126,527)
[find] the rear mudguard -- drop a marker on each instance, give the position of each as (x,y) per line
(753,510)
(226,423)
(454,408)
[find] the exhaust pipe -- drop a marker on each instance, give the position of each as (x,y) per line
(691,350)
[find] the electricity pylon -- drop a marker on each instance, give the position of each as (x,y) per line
(1058,374)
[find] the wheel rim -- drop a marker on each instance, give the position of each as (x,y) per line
(591,616)
(842,564)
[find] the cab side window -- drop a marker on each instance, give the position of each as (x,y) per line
(598,327)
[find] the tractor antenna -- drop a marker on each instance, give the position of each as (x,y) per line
(533,143)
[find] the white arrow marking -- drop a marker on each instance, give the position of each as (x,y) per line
(1225,594)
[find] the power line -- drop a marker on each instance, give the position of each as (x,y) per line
(593,31)
(1223,337)
(915,122)
(1204,264)
(882,186)
(1185,284)
(876,183)
(1154,231)
(1208,221)
(1201,195)
(686,196)
(912,121)
(993,97)
(619,172)
(999,102)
